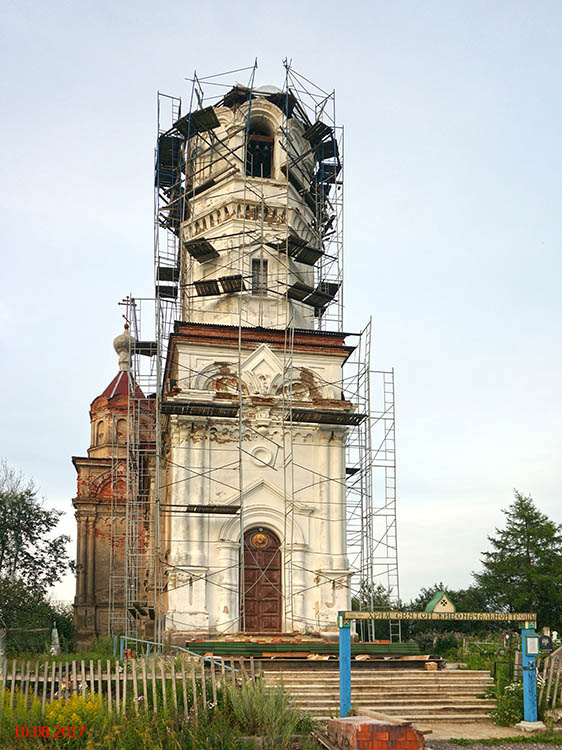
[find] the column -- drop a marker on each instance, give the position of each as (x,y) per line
(299,584)
(338,499)
(228,560)
(82,552)
(91,552)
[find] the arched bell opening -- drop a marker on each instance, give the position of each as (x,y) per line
(259,150)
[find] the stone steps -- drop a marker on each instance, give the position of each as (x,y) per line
(400,685)
(422,696)
(384,708)
(389,674)
(394,702)
(374,677)
(475,688)
(425,718)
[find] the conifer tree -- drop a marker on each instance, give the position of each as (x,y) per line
(523,570)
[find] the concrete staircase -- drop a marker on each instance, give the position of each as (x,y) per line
(413,695)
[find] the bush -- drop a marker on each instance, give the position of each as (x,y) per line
(509,708)
(261,710)
(425,642)
(20,714)
(445,644)
(77,711)
(28,609)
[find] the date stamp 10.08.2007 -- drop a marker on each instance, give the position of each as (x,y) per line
(46,731)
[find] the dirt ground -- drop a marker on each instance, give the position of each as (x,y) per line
(442,733)
(473,731)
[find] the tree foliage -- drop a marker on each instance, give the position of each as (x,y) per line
(29,616)
(523,570)
(32,559)
(470,599)
(372,596)
(28,551)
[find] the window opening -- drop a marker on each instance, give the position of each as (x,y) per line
(121,431)
(259,153)
(259,276)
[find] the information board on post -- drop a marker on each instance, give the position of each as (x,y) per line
(458,616)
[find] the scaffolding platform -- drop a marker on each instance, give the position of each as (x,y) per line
(199,409)
(325,416)
(217,510)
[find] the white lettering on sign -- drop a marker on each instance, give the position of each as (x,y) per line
(468,616)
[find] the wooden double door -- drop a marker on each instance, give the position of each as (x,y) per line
(261,605)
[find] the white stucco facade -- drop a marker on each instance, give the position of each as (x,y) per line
(204,454)
(278,470)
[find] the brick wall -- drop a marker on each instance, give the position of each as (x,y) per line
(363,733)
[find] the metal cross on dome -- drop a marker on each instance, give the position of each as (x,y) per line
(129,303)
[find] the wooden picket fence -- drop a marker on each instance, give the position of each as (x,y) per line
(135,684)
(549,679)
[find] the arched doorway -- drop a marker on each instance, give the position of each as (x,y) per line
(262,598)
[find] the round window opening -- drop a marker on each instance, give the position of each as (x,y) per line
(260,540)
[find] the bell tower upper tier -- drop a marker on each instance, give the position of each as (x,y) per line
(250,204)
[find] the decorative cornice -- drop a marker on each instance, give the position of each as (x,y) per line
(320,342)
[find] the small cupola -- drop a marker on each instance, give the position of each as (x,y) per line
(109,410)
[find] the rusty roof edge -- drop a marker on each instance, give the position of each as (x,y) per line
(306,331)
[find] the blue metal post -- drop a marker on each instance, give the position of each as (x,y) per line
(529,678)
(121,647)
(345,666)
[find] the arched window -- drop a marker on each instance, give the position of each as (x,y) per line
(100,433)
(259,152)
(121,431)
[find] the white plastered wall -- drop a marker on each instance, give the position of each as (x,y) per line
(204,549)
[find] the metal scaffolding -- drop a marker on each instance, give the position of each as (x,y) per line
(196,262)
(371,486)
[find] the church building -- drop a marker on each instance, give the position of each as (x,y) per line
(215,500)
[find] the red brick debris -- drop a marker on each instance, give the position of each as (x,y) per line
(363,733)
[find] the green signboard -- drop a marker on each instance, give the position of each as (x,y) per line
(529,617)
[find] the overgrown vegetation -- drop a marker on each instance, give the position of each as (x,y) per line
(268,711)
(509,703)
(100,648)
(32,559)
(240,714)
(536,738)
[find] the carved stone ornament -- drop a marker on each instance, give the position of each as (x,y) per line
(260,540)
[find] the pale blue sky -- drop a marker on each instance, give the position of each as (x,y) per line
(452,113)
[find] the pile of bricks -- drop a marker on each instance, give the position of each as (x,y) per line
(363,733)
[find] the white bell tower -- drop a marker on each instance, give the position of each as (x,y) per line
(259,422)
(250,242)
